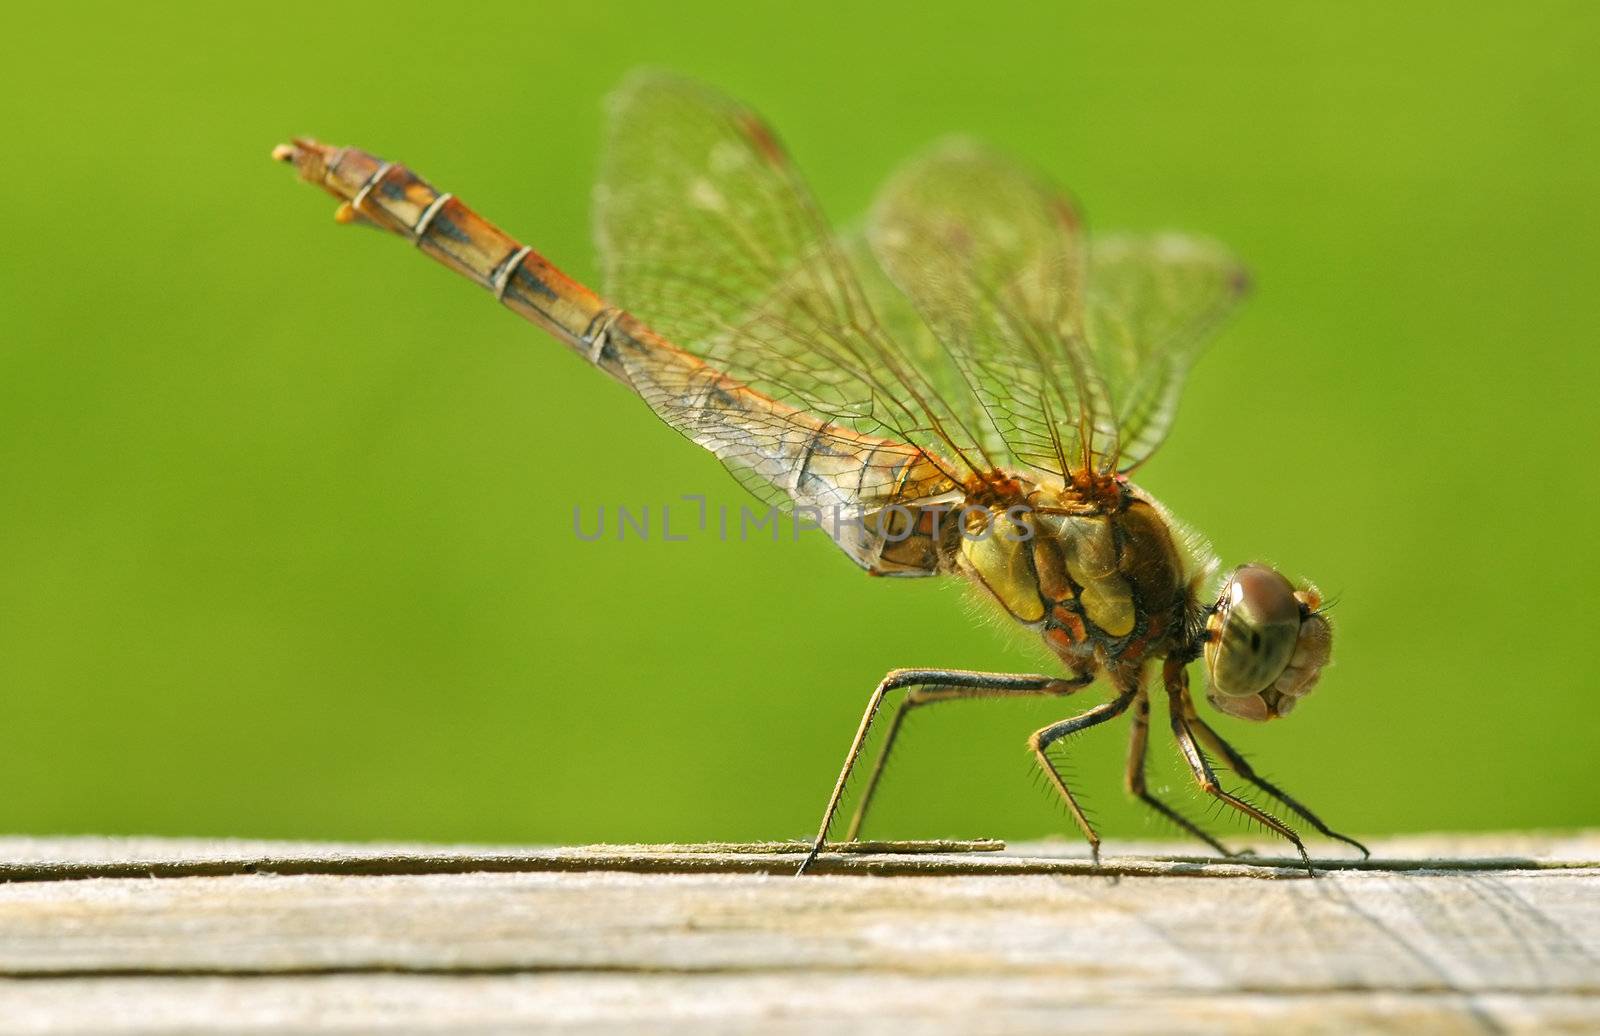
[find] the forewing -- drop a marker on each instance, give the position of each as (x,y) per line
(1015,343)
(1152,303)
(707,233)
(993,259)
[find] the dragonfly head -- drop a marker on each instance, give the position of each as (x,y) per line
(1266,644)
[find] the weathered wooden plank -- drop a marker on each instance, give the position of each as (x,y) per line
(70,859)
(224,858)
(1503,947)
(776,1004)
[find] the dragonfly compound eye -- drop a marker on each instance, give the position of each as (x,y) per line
(1267,645)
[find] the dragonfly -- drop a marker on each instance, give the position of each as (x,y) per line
(965,382)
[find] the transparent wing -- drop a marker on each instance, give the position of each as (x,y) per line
(994,261)
(982,331)
(1075,348)
(1152,302)
(707,233)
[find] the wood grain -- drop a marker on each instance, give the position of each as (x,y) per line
(1490,934)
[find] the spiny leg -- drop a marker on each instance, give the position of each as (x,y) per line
(1043,738)
(1137,743)
(1236,762)
(1177,684)
(918,696)
(982,684)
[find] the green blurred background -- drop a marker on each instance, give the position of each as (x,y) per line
(285,510)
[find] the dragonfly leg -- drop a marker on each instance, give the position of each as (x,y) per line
(939,685)
(1044,737)
(1236,762)
(918,696)
(1137,744)
(1177,682)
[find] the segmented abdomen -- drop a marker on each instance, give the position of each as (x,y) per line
(866,490)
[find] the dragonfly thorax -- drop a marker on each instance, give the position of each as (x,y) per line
(1103,581)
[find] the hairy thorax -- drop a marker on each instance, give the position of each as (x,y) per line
(1095,568)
